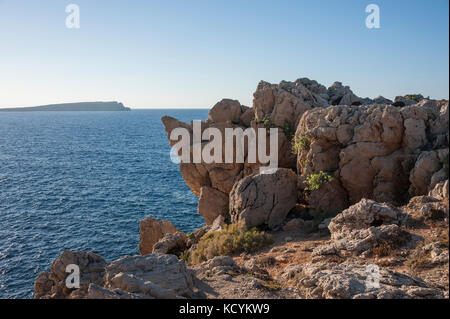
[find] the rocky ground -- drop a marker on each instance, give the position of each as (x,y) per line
(358,208)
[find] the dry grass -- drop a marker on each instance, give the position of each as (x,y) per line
(233,239)
(419,261)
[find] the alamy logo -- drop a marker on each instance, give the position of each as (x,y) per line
(73,279)
(73,19)
(210,146)
(373,19)
(373,277)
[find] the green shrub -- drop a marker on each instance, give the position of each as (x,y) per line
(190,235)
(315,181)
(288,131)
(267,123)
(300,143)
(232,239)
(185,256)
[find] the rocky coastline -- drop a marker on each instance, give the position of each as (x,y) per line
(362,185)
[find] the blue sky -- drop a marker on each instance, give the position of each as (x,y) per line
(194,53)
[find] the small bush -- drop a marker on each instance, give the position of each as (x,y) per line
(288,131)
(443,238)
(315,181)
(300,143)
(232,239)
(268,124)
(414,97)
(382,249)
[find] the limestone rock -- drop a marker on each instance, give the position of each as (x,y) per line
(151,231)
(174,244)
(358,242)
(285,103)
(440,191)
(342,95)
(247,117)
(330,198)
(221,261)
(426,165)
(264,199)
(382,100)
(362,215)
(49,285)
(156,275)
(404,101)
(98,292)
(360,228)
(376,151)
(212,203)
(225,111)
(348,281)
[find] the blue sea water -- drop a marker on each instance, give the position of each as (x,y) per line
(82,181)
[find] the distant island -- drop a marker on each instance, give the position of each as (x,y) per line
(72,107)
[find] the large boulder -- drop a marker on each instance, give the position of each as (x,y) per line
(264,199)
(363,215)
(154,276)
(160,276)
(427,166)
(342,95)
(226,111)
(440,191)
(286,102)
(52,285)
(212,203)
(361,228)
(151,231)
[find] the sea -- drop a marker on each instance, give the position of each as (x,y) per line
(83,181)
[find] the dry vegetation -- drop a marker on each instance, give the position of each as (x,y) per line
(232,239)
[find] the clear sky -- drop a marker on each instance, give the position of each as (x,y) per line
(192,53)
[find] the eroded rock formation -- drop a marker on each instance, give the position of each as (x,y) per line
(374,173)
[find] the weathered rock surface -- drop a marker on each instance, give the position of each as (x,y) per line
(52,285)
(138,277)
(359,229)
(377,151)
(286,102)
(226,111)
(348,281)
(363,215)
(164,274)
(151,231)
(264,199)
(212,203)
(173,244)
